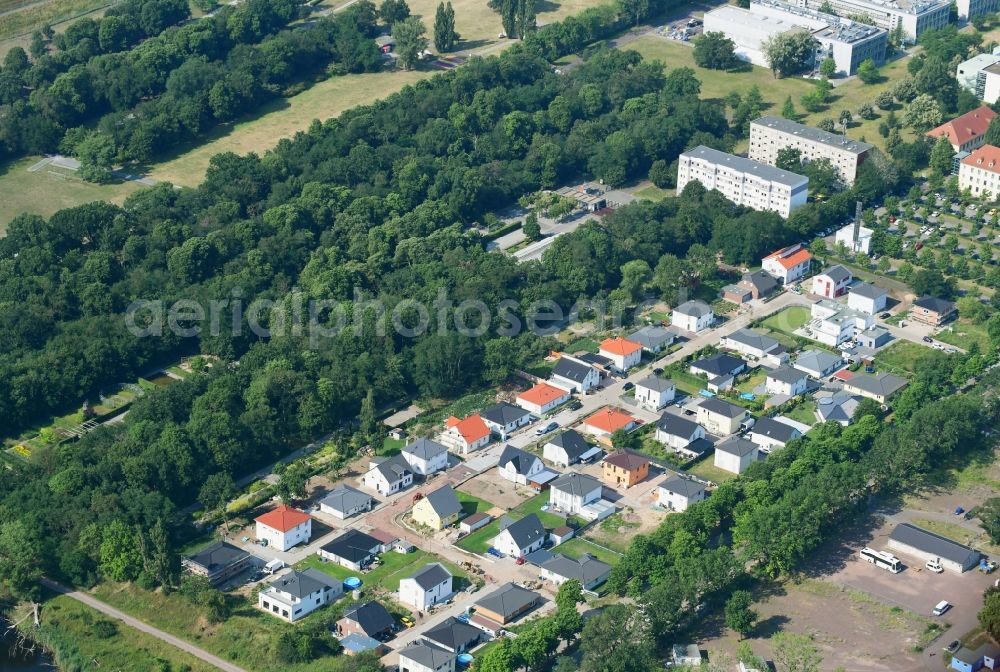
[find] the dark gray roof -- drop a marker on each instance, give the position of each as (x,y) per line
(519,460)
(787,374)
(345,498)
(219,555)
(427,655)
(752,339)
(430,575)
(773,429)
(736,446)
(686,487)
(372,617)
(444,501)
(575,484)
(715,405)
(868,291)
(719,364)
(526,531)
(695,308)
(454,634)
(884,384)
(745,165)
(584,569)
(353,546)
(509,600)
(654,382)
(304,583)
(595,359)
(572,442)
(675,425)
(836,140)
(928,542)
(699,446)
(839,407)
(424,448)
(838,273)
(571,370)
(394,468)
(935,304)
(762,280)
(652,336)
(503,413)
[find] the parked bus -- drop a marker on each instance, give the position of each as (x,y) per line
(882,559)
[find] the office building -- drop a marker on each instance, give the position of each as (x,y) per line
(769,135)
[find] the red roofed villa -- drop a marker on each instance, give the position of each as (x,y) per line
(788,265)
(967,132)
(607,421)
(624,353)
(284,527)
(466,435)
(979,172)
(542,398)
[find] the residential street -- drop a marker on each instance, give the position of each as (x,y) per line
(181,644)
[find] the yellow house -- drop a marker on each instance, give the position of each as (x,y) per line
(438,509)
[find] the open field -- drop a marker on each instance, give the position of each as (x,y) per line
(716,84)
(901,357)
(31,15)
(394,568)
(788,320)
(49,189)
(68,627)
(472,504)
(963,334)
(705,468)
(246,637)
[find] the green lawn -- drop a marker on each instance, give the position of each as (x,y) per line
(68,627)
(787,320)
(963,334)
(653,193)
(587,344)
(901,357)
(480,540)
(394,567)
(391,446)
(472,504)
(805,412)
(752,381)
(705,468)
(577,546)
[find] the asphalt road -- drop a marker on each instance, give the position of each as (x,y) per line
(143,627)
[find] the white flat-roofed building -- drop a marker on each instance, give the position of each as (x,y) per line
(863,244)
(967,72)
(769,135)
(911,17)
(743,181)
(847,42)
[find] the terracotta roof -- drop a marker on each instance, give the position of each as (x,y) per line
(843,374)
(283,518)
(966,127)
(986,157)
(471,428)
(609,420)
(542,394)
(626,460)
(790,257)
(619,346)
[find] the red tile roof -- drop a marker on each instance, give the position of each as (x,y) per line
(970,125)
(620,346)
(986,157)
(542,394)
(790,258)
(471,428)
(609,420)
(844,375)
(283,518)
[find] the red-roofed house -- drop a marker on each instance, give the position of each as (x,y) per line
(542,398)
(284,527)
(466,435)
(607,421)
(624,353)
(844,375)
(967,132)
(980,172)
(789,264)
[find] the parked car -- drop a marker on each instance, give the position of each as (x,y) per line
(953,646)
(627,386)
(885,316)
(575,405)
(928,339)
(546,429)
(941,607)
(934,566)
(407,621)
(658,371)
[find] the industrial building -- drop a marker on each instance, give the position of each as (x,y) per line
(925,545)
(847,42)
(769,135)
(743,181)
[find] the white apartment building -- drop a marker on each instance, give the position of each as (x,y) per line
(911,17)
(769,135)
(743,181)
(834,323)
(967,72)
(847,42)
(980,172)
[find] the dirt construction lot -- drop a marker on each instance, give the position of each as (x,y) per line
(495,489)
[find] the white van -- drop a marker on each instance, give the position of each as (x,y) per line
(941,607)
(934,566)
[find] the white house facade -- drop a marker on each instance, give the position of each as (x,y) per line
(571,492)
(430,585)
(693,316)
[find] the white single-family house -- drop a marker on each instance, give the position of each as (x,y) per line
(770,433)
(787,381)
(677,492)
(568,448)
(694,316)
(297,594)
(571,492)
(677,432)
(818,363)
(504,418)
(574,375)
(467,434)
(624,354)
(735,454)
(426,587)
(720,417)
(654,393)
(788,265)
(756,346)
(422,656)
(344,502)
(518,466)
(426,457)
(520,537)
(542,398)
(389,475)
(586,569)
(832,282)
(653,338)
(284,527)
(867,298)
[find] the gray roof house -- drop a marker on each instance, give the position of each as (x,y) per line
(817,363)
(837,407)
(675,425)
(879,387)
(719,364)
(652,338)
(737,446)
(430,575)
(567,368)
(507,603)
(305,583)
(868,291)
(751,340)
(586,569)
(520,537)
(694,308)
(654,382)
(566,448)
(516,460)
(454,635)
(787,374)
(686,487)
(838,274)
(504,417)
(716,405)
(444,501)
(575,483)
(427,656)
(424,449)
(219,562)
(344,501)
(762,281)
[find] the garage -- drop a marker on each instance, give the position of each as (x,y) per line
(920,543)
